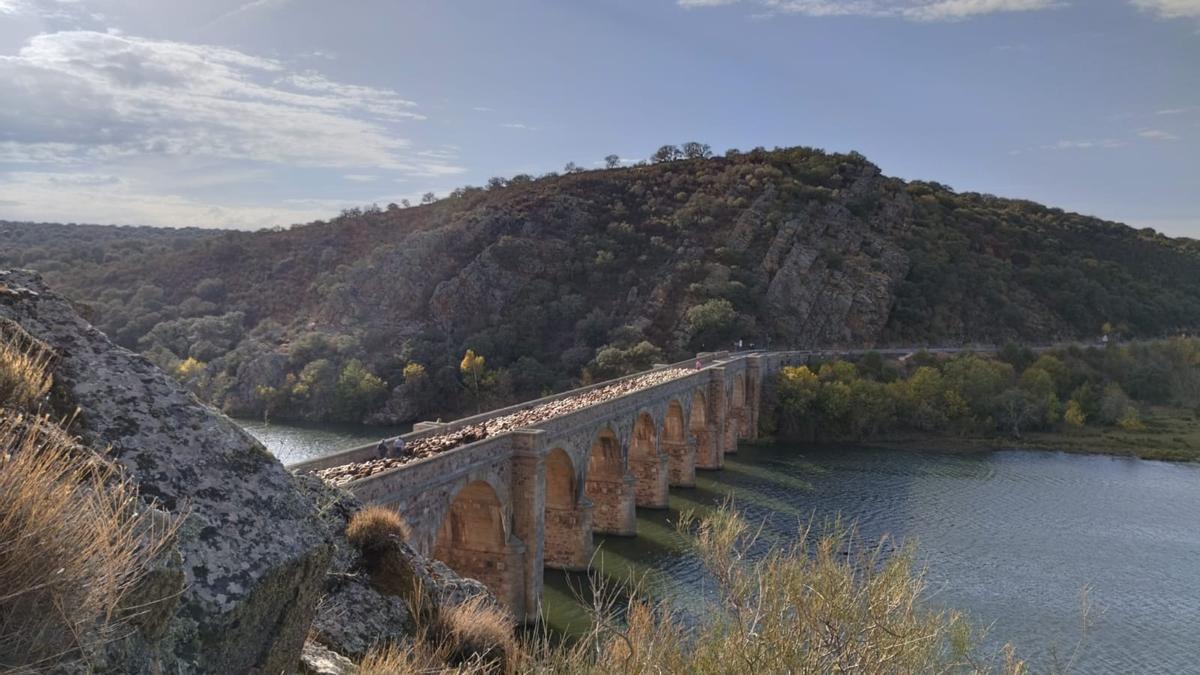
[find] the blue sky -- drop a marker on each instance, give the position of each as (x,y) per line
(256,113)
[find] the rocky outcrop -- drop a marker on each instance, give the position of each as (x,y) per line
(358,612)
(238,590)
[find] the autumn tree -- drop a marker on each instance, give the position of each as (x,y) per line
(473,368)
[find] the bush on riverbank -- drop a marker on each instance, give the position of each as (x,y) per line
(828,606)
(1015,393)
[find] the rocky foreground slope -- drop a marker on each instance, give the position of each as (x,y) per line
(259,562)
(597,273)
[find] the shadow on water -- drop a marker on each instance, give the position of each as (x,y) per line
(1009,537)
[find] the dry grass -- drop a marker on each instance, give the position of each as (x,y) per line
(25,362)
(479,631)
(813,608)
(826,606)
(74,541)
(372,527)
(374,531)
(474,638)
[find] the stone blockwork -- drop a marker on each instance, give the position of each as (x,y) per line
(502,508)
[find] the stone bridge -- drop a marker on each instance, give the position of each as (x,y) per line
(501,509)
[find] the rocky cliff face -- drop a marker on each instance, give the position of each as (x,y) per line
(805,248)
(238,592)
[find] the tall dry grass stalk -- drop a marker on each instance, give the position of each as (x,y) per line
(25,376)
(823,605)
(74,541)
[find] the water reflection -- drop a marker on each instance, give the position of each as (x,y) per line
(1012,538)
(293,443)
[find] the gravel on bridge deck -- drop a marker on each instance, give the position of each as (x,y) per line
(429,446)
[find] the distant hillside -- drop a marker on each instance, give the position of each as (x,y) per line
(594,273)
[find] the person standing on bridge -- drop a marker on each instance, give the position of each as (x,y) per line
(697,364)
(398,448)
(381,450)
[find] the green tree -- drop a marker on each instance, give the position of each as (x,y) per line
(667,153)
(358,391)
(1016,410)
(612,361)
(797,389)
(695,150)
(711,324)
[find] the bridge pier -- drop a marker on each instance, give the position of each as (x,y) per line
(710,440)
(610,487)
(648,464)
(529,517)
(615,510)
(569,537)
(652,489)
(682,463)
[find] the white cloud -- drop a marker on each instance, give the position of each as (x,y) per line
(1170,9)
(912,10)
(518,125)
(361,177)
(250,7)
(481,108)
(1157,135)
(1094,144)
(1171,111)
(109,198)
(87,95)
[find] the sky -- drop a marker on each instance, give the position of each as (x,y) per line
(260,113)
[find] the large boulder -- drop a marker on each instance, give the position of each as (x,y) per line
(249,561)
(360,609)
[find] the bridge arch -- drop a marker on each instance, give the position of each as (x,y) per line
(474,540)
(609,486)
(568,522)
(648,463)
(681,455)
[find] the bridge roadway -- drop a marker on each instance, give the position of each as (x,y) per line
(502,508)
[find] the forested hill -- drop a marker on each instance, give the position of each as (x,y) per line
(592,273)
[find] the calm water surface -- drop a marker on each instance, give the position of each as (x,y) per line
(293,443)
(1012,538)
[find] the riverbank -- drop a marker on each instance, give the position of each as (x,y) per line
(1170,434)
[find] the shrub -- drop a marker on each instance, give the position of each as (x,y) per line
(475,637)
(479,631)
(373,526)
(74,542)
(414,373)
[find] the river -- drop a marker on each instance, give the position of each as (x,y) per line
(1012,538)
